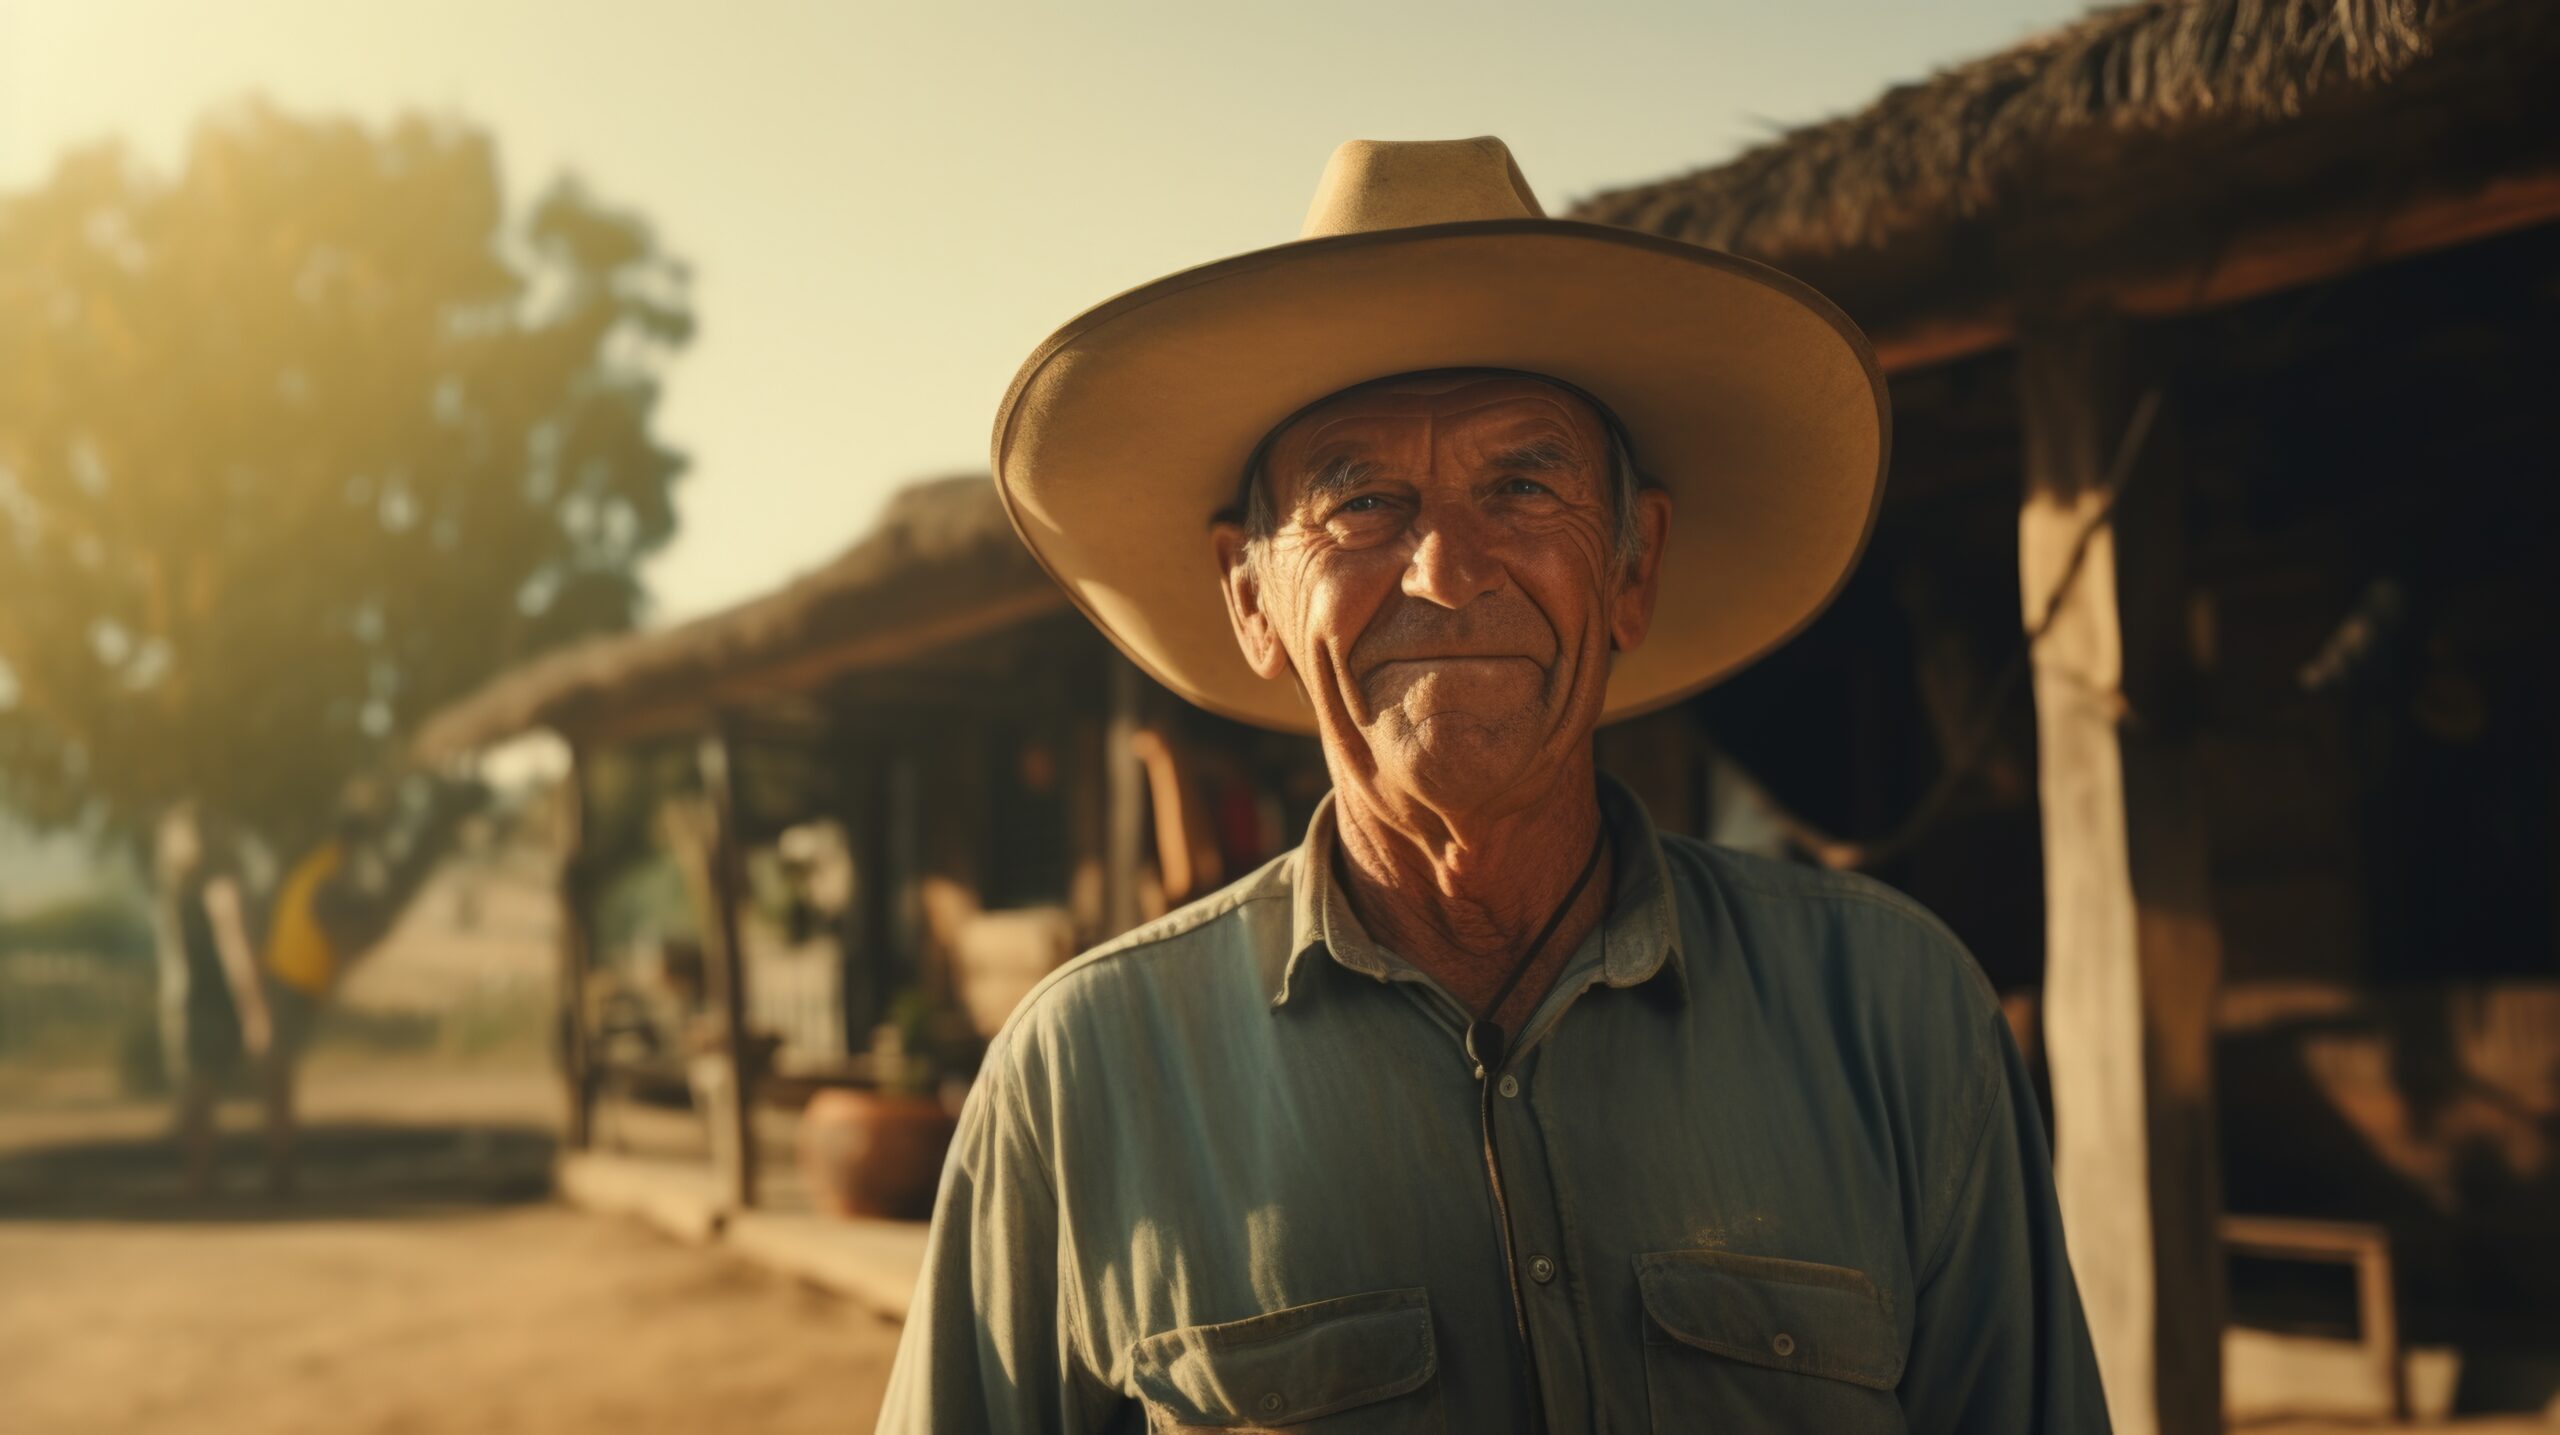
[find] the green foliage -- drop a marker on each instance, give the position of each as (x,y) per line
(77,988)
(297,444)
(70,1010)
(111,926)
(920,1041)
(646,901)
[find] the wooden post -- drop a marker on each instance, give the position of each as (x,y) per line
(2132,954)
(734,1122)
(1124,799)
(867,962)
(577,953)
(1088,877)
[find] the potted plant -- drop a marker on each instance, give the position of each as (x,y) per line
(878,1152)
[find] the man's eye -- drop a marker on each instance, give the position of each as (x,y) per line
(1524,485)
(1365,503)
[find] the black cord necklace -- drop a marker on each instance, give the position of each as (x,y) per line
(1484,1034)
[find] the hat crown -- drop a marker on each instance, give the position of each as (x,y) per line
(1397,184)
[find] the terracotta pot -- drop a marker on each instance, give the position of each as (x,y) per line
(869,1153)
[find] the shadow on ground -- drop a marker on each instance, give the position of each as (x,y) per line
(349,1170)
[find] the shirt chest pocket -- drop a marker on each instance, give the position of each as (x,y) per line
(1750,1343)
(1346,1366)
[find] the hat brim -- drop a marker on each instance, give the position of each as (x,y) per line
(1748,396)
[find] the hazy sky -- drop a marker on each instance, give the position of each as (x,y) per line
(887,206)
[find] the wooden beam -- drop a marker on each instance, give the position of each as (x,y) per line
(803,672)
(577,954)
(1919,344)
(2331,246)
(2265,261)
(664,705)
(2132,956)
(733,1116)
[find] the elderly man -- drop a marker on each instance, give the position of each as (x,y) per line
(1490,1108)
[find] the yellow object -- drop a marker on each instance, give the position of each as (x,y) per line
(299,952)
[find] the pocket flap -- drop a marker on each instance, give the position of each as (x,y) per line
(1290,1365)
(1787,1315)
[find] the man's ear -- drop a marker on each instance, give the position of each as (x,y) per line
(1631,606)
(1242,586)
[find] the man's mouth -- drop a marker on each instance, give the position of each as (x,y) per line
(1447,659)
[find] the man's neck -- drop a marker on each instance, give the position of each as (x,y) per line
(1462,895)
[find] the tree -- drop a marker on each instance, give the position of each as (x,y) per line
(297,444)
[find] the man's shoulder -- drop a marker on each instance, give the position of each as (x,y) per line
(1845,955)
(1822,922)
(1753,878)
(1199,944)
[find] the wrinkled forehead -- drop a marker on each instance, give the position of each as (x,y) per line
(1415,407)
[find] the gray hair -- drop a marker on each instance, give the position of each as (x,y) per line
(1262,520)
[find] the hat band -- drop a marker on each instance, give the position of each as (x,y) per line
(1235,512)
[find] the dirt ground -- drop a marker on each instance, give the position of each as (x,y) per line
(421,1284)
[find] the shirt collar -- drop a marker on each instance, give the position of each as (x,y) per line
(1642,936)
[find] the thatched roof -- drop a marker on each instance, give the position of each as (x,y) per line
(2142,136)
(942,563)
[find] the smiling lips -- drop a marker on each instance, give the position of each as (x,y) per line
(1501,627)
(1453,681)
(1381,664)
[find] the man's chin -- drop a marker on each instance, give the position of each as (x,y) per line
(1456,758)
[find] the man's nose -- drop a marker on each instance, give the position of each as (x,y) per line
(1452,566)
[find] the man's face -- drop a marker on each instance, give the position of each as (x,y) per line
(1444,579)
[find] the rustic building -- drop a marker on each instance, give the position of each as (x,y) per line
(2219,325)
(2198,674)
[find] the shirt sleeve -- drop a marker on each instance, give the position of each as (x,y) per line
(984,1348)
(1999,1342)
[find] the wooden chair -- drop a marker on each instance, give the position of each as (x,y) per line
(2365,1247)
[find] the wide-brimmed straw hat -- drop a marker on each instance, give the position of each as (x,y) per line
(1744,393)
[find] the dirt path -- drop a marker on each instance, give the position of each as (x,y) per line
(421,1285)
(535,1320)
(412,1291)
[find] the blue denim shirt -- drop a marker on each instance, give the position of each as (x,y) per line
(1767,1160)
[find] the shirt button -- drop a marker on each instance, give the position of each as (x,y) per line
(1541,1269)
(1785,1344)
(1271,1403)
(1508,1086)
